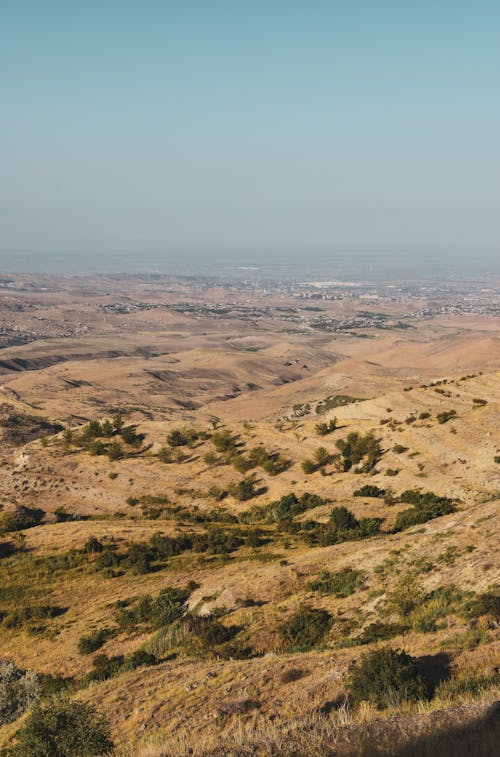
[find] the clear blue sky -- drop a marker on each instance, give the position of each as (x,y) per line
(248,124)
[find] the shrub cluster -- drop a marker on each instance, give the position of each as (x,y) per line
(369,490)
(153,612)
(63,728)
(305,629)
(426,506)
(341,584)
(325,428)
(342,526)
(356,449)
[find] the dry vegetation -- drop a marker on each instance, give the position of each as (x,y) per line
(213,578)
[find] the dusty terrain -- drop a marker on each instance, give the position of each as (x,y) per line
(254,368)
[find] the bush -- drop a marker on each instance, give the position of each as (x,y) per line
(165,455)
(305,629)
(386,677)
(224,441)
(154,612)
(93,545)
(272,462)
(63,728)
(427,506)
(138,559)
(19,690)
(94,641)
(115,451)
(309,466)
(180,437)
(356,448)
(130,436)
(32,618)
(139,658)
(445,416)
(107,559)
(244,489)
(97,447)
(369,490)
(377,631)
(343,519)
(342,584)
(323,429)
(467,684)
(212,633)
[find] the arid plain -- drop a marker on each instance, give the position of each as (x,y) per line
(205,499)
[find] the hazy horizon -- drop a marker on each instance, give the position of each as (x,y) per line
(267,129)
(377,266)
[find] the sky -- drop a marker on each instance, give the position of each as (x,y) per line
(262,126)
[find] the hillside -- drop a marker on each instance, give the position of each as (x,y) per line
(206,544)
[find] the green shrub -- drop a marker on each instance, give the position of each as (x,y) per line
(165,455)
(62,728)
(93,545)
(386,677)
(333,401)
(224,441)
(115,451)
(32,619)
(377,631)
(94,641)
(309,466)
(427,506)
(180,437)
(305,629)
(356,449)
(140,658)
(138,559)
(241,463)
(244,489)
(323,429)
(213,633)
(369,490)
(342,584)
(217,492)
(130,436)
(343,519)
(272,462)
(154,612)
(92,430)
(97,447)
(107,559)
